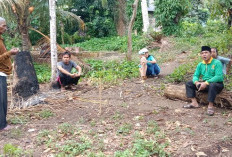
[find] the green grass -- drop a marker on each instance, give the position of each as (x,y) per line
(11,150)
(114,43)
(43,72)
(46,113)
(112,72)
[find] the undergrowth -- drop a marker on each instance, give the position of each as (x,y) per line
(111,72)
(114,43)
(43,72)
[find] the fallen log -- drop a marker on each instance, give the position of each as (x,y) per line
(224,99)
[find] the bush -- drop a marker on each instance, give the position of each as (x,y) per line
(113,71)
(191,29)
(43,72)
(114,43)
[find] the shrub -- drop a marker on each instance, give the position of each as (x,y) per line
(114,43)
(113,71)
(43,72)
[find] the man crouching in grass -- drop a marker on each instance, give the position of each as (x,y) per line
(65,78)
(210,70)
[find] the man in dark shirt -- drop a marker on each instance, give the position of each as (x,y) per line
(65,78)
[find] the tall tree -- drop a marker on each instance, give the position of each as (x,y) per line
(169,13)
(222,8)
(52,10)
(130,27)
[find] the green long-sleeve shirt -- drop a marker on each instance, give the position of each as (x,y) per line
(211,72)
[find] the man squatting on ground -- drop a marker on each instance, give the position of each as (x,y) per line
(5,69)
(226,62)
(148,65)
(65,78)
(212,80)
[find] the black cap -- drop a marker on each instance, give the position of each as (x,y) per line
(205,48)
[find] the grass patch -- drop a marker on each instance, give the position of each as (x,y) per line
(112,72)
(43,72)
(11,150)
(46,113)
(114,43)
(18,119)
(15,133)
(125,129)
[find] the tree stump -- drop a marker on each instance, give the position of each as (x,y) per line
(224,99)
(25,82)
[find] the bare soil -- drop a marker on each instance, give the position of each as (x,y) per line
(190,132)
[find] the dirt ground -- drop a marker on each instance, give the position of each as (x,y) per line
(100,113)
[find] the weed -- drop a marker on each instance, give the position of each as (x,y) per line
(124,105)
(13,151)
(93,123)
(226,138)
(117,116)
(18,119)
(114,43)
(43,72)
(15,133)
(73,148)
(46,113)
(126,153)
(190,131)
(112,72)
(125,129)
(66,129)
(205,121)
(44,137)
(99,154)
(143,147)
(152,127)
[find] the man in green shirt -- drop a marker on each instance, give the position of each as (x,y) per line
(210,72)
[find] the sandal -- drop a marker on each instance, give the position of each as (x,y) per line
(210,111)
(190,106)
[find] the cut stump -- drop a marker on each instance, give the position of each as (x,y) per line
(224,99)
(25,82)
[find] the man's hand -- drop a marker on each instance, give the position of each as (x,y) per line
(72,75)
(14,51)
(198,84)
(75,75)
(203,86)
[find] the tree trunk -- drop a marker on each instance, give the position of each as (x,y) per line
(52,10)
(145,15)
(26,43)
(230,17)
(130,27)
(25,82)
(224,99)
(62,32)
(121,21)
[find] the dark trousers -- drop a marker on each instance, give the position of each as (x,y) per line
(3,102)
(213,89)
(67,80)
(153,69)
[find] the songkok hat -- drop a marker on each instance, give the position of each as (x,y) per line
(205,48)
(143,51)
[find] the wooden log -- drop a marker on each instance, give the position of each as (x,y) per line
(224,99)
